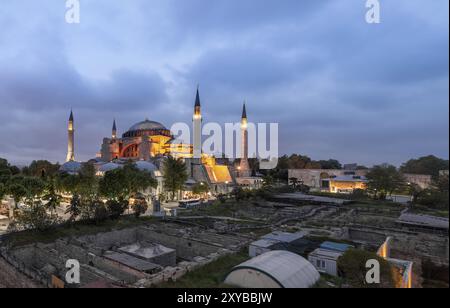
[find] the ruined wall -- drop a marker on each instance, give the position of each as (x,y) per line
(186,248)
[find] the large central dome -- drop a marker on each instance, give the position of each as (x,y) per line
(147,127)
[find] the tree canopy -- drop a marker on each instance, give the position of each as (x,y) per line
(175,175)
(385,179)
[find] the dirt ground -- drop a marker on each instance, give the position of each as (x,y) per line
(10,278)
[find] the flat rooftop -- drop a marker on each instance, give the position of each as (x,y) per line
(318,199)
(326,254)
(284,237)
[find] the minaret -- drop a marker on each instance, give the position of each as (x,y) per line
(114,130)
(244,167)
(197,128)
(71,141)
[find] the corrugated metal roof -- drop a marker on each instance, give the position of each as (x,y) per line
(284,237)
(288,269)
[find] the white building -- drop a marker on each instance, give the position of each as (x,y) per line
(325,261)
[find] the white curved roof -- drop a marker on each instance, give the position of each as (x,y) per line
(289,270)
(71,167)
(109,167)
(146,125)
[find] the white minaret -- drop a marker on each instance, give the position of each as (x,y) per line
(197,127)
(244,167)
(71,140)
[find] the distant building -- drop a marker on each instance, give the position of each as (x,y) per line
(275,241)
(148,143)
(422,180)
(325,258)
(275,269)
(319,179)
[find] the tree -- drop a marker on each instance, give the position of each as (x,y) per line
(175,175)
(121,184)
(352,266)
(116,208)
(18,192)
(139,207)
(330,164)
(430,165)
(51,196)
(200,189)
(2,191)
(383,180)
(41,168)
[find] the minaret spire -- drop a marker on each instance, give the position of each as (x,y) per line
(71,139)
(244,167)
(197,127)
(244,111)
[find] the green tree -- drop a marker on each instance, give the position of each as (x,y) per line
(116,208)
(330,164)
(385,179)
(34,216)
(51,195)
(41,168)
(18,192)
(175,175)
(121,184)
(200,189)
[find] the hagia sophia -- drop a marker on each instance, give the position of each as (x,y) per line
(148,143)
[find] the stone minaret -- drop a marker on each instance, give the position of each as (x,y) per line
(197,127)
(114,130)
(244,167)
(71,140)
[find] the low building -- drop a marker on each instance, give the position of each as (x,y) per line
(275,241)
(313,177)
(424,222)
(274,269)
(325,261)
(422,180)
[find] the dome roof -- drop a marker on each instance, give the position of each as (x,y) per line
(147,125)
(146,166)
(275,268)
(109,167)
(71,167)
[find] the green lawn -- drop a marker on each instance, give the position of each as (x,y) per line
(78,229)
(211,275)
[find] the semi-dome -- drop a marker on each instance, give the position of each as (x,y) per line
(274,269)
(109,167)
(71,167)
(147,127)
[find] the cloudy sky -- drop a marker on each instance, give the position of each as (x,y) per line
(339,87)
